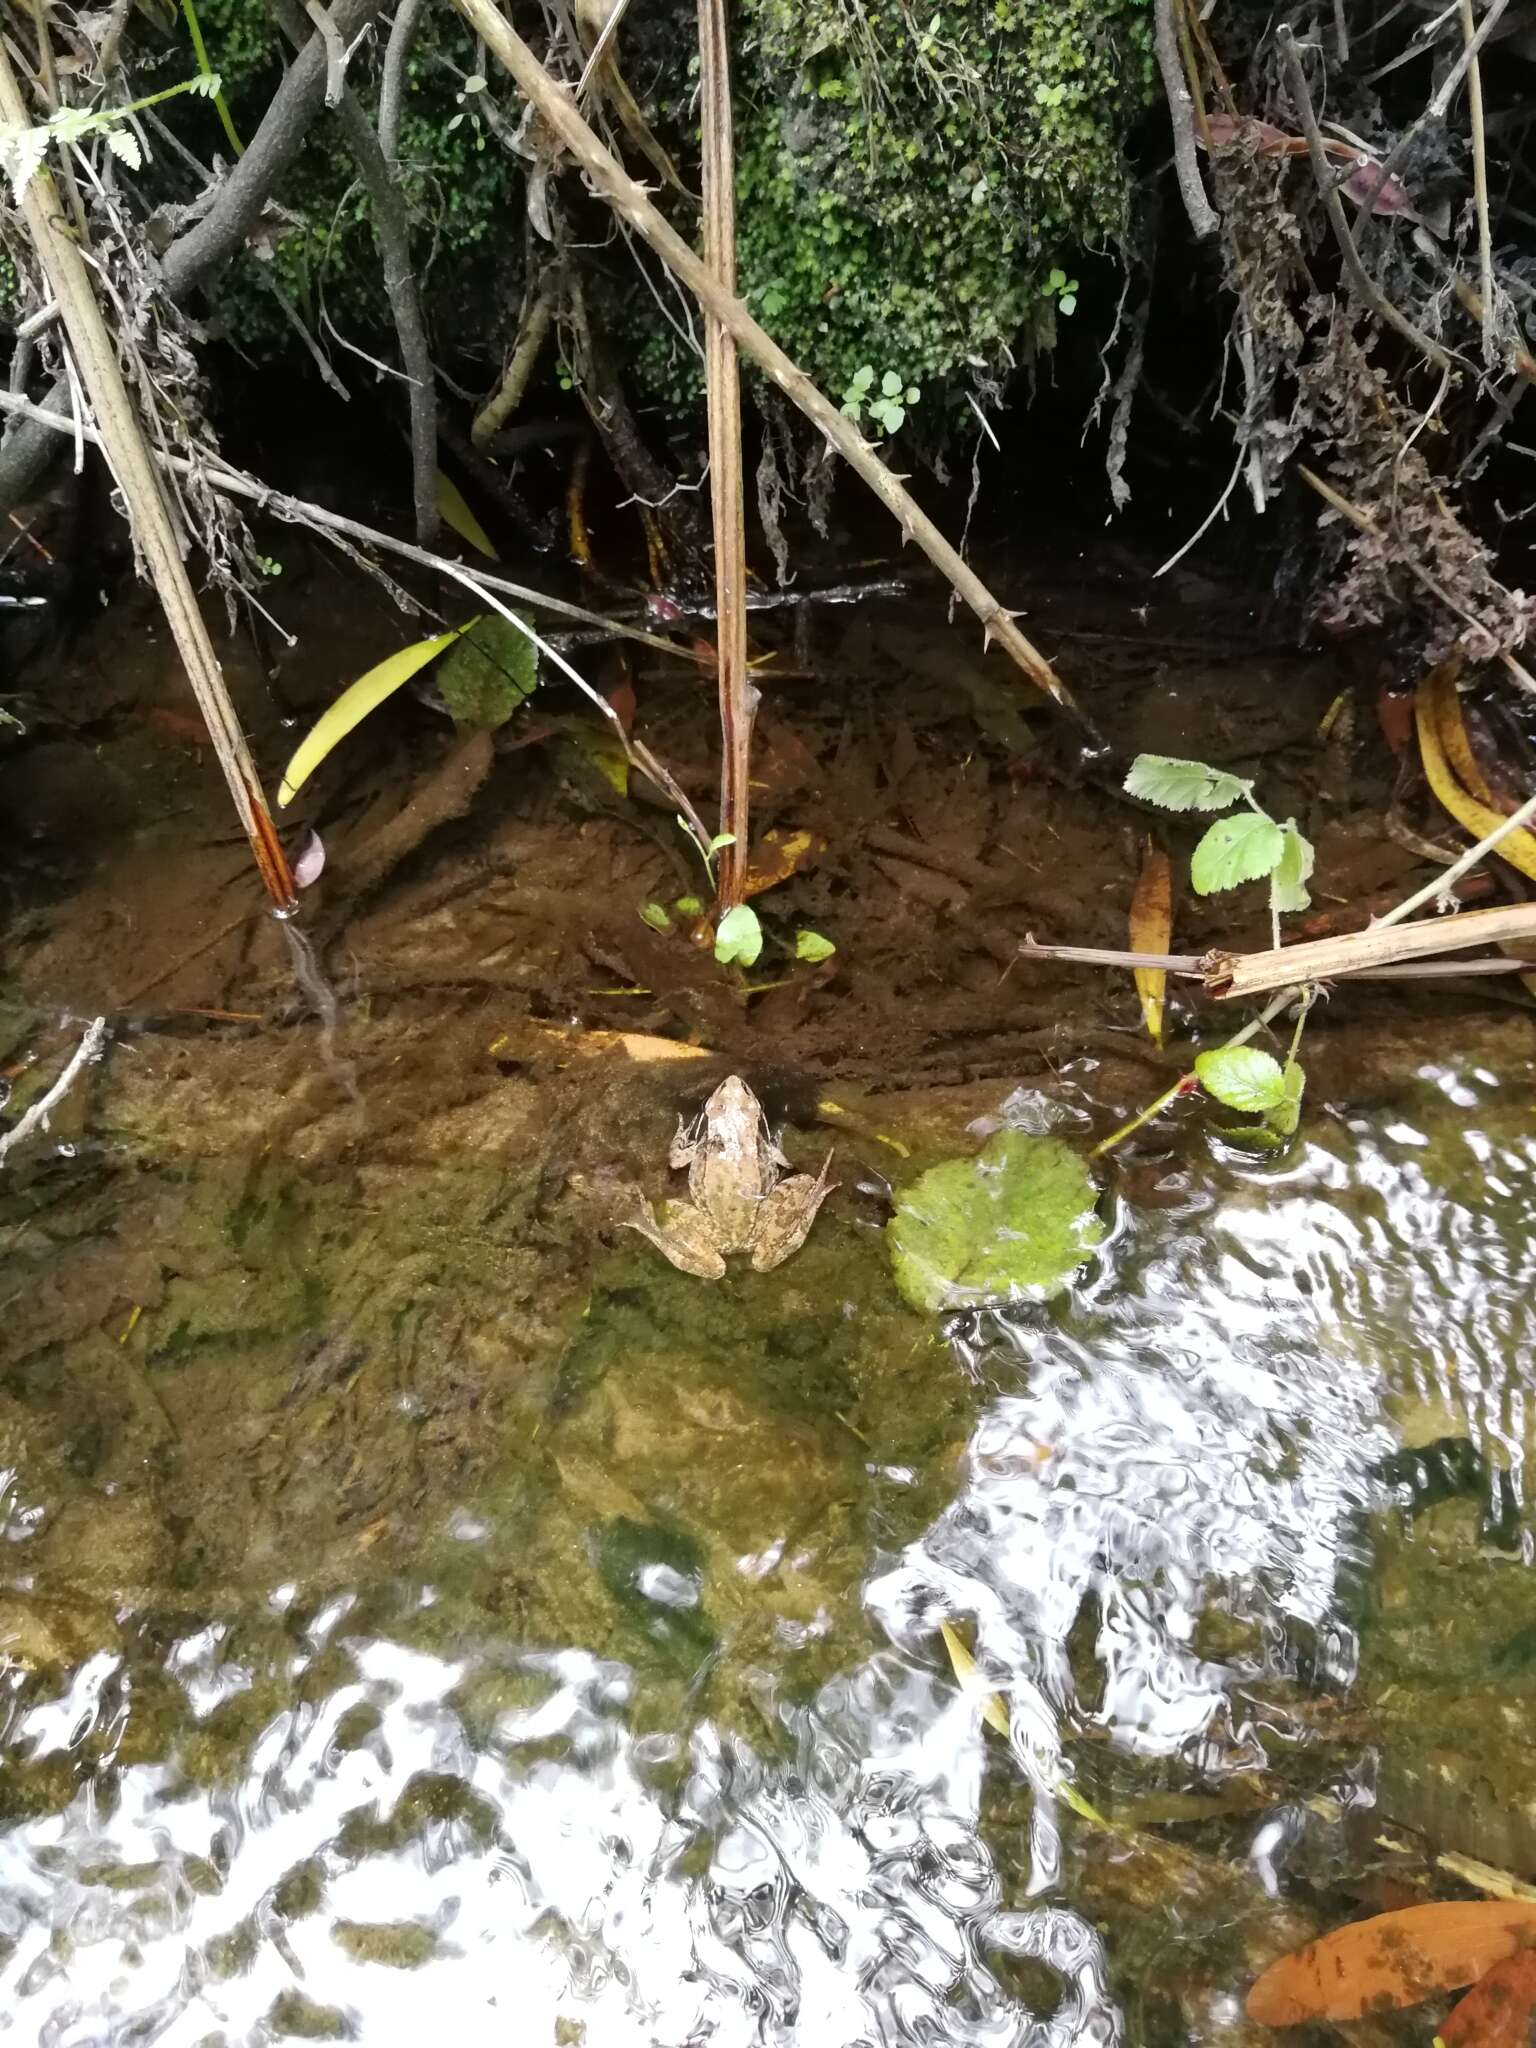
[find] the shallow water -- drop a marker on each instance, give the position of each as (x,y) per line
(641,1729)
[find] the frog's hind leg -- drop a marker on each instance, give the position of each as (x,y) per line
(683,1236)
(784,1218)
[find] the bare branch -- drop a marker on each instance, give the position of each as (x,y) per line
(1203,218)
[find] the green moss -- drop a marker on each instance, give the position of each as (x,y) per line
(906,184)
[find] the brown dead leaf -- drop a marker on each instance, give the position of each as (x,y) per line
(1152,932)
(777,856)
(1497,2012)
(1391,1960)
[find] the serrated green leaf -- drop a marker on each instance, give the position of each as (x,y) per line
(1183,785)
(1242,1077)
(1015,1221)
(812,946)
(1288,883)
(738,937)
(1240,849)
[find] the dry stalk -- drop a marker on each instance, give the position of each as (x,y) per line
(155,536)
(1327,185)
(722,379)
(608,176)
(1480,183)
(1234,975)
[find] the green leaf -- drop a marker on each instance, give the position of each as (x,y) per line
(812,946)
(1067,303)
(1183,785)
(1286,1114)
(1015,1221)
(913,394)
(599,745)
(1288,882)
(1242,1077)
(722,839)
(1234,850)
(738,936)
(688,906)
(354,705)
(454,510)
(654,914)
(492,670)
(890,384)
(863,378)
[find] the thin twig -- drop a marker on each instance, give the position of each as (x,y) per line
(609,177)
(1480,184)
(89,1048)
(1364,284)
(1203,218)
(335,51)
(722,382)
(1432,891)
(1234,975)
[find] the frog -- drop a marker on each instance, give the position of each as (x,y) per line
(738,1200)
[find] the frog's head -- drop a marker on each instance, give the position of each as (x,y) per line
(733,1098)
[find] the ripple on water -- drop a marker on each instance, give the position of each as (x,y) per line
(1194,1434)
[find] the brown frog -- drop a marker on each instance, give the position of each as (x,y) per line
(738,1201)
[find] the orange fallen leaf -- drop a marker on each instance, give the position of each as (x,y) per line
(1152,932)
(1391,1960)
(1497,2011)
(1394,714)
(777,856)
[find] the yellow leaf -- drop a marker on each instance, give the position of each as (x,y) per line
(599,746)
(1430,710)
(993,1709)
(1152,932)
(354,705)
(452,508)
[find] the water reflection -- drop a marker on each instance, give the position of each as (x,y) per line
(1193,1439)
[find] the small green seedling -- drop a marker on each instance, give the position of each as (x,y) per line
(705,853)
(1250,847)
(1058,285)
(887,407)
(813,947)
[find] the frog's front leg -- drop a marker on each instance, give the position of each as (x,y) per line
(684,1235)
(784,1218)
(685,1144)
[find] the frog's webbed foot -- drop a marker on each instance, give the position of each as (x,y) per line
(784,1218)
(684,1236)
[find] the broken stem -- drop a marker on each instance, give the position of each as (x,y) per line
(89,1048)
(722,381)
(629,199)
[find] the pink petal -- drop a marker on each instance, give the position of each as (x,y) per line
(311,861)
